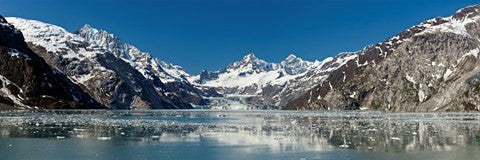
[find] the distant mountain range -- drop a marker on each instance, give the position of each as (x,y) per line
(432,66)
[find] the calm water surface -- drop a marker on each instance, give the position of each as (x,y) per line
(204,134)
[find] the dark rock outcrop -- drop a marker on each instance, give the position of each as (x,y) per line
(27,81)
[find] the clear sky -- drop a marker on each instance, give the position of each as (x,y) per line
(209,34)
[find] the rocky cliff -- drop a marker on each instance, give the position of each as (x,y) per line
(27,81)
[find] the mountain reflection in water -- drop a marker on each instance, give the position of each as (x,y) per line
(248,132)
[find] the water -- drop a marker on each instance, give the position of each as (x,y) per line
(204,134)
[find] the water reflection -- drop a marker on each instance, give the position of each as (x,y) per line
(278,131)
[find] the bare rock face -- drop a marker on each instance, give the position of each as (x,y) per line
(138,103)
(27,81)
(429,67)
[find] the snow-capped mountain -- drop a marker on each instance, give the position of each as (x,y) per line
(253,71)
(144,62)
(254,78)
(294,65)
(270,84)
(118,78)
(26,81)
(172,76)
(250,63)
(432,66)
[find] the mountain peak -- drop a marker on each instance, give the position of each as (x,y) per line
(249,57)
(86,26)
(291,57)
(294,65)
(251,62)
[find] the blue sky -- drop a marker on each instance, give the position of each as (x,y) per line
(209,34)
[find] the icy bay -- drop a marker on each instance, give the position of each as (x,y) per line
(208,134)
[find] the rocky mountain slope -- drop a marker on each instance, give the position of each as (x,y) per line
(117,78)
(27,81)
(432,66)
(172,76)
(429,67)
(149,66)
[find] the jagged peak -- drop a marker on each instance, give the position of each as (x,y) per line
(293,65)
(167,72)
(290,59)
(86,28)
(250,61)
(291,56)
(249,57)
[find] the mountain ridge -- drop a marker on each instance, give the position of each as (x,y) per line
(432,66)
(112,81)
(424,68)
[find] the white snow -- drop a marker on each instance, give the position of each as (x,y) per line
(447,73)
(319,97)
(452,25)
(361,65)
(149,66)
(232,79)
(421,95)
(342,60)
(255,72)
(473,52)
(409,78)
(172,72)
(6,92)
(84,78)
(353,95)
(53,38)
